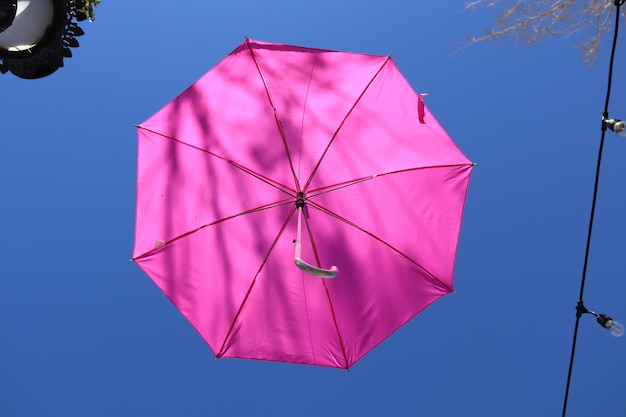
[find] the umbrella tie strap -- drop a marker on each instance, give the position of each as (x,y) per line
(306,267)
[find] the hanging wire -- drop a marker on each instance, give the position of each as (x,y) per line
(605,116)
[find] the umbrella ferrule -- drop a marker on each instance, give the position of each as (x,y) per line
(300,200)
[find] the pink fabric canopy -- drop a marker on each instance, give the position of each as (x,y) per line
(275,134)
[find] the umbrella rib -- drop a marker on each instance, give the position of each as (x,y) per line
(249,291)
(281,187)
(276,118)
(393,248)
(340,185)
(332,312)
(332,139)
(306,100)
(223,219)
(330,303)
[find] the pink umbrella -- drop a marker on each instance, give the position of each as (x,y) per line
(298,204)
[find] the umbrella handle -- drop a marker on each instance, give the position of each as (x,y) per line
(307,267)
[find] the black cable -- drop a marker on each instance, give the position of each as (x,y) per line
(605,116)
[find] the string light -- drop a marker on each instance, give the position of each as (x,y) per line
(616,126)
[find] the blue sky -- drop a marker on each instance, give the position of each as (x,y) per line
(84,332)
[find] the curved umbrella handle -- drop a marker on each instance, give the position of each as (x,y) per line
(306,267)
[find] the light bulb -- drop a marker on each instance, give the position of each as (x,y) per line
(614,327)
(617,126)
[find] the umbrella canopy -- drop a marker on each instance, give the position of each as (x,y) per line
(298,204)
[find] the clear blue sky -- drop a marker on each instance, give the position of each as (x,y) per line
(84,332)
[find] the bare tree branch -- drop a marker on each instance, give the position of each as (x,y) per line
(532,21)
